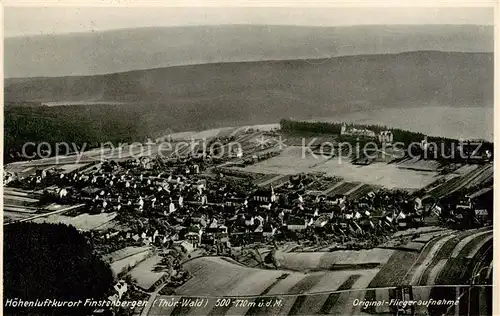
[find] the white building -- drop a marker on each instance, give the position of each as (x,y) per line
(352,131)
(386,137)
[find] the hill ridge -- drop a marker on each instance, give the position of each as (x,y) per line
(147,48)
(324,59)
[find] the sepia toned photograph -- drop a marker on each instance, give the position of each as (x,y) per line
(248,160)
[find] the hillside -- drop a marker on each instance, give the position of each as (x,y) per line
(147,48)
(132,105)
(272,89)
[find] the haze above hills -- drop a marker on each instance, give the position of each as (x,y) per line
(148,48)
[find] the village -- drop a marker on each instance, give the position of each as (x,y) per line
(148,216)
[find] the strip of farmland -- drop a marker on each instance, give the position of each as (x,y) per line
(303,286)
(443,254)
(470,179)
(362,191)
(343,188)
(275,181)
(265,310)
(333,297)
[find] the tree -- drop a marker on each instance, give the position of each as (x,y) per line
(52,261)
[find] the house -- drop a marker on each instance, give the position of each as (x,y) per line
(268,230)
(295,223)
(482,214)
(321,221)
(262,196)
(352,131)
(386,137)
(233,201)
(217,230)
(199,218)
(208,239)
(402,220)
(465,204)
(249,220)
(194,235)
(342,223)
(337,200)
(259,220)
(186,246)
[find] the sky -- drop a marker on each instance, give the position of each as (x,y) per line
(20,21)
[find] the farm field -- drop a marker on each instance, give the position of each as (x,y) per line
(265,179)
(386,175)
(127,258)
(323,184)
(275,181)
(344,188)
(82,221)
(469,177)
(327,260)
(144,273)
(12,215)
(290,161)
(18,204)
(363,190)
(419,164)
(214,275)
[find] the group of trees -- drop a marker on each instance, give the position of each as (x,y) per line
(52,261)
(87,126)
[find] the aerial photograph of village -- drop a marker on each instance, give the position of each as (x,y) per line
(248,161)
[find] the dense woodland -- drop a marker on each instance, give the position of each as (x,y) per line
(82,126)
(52,261)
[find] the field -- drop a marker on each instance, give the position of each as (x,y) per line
(362,190)
(292,161)
(345,188)
(418,164)
(214,275)
(328,260)
(467,177)
(18,204)
(308,283)
(82,221)
(144,273)
(126,258)
(322,184)
(386,175)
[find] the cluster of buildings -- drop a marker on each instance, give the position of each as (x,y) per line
(180,206)
(214,210)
